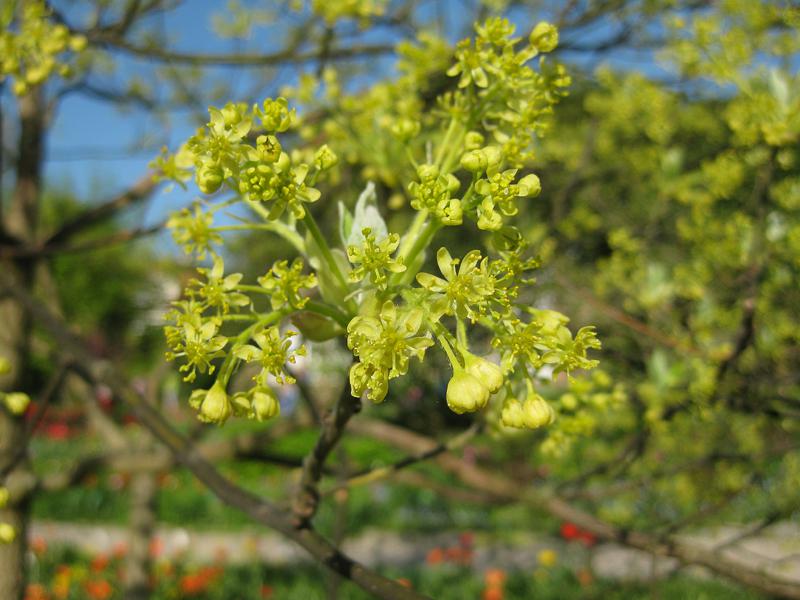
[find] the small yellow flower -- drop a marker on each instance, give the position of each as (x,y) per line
(17,402)
(547,557)
(7,533)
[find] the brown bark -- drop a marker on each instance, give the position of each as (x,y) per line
(15,327)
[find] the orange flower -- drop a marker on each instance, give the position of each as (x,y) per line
(454,554)
(266,591)
(495,577)
(435,556)
(38,545)
(61,582)
(493,593)
(197,583)
(98,589)
(99,563)
(466,539)
(36,591)
(119,550)
(585,577)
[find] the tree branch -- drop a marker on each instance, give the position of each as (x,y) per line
(257,508)
(306,500)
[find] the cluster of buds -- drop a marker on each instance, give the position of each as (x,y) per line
(471,385)
(34,50)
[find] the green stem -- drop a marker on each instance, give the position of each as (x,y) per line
(239,318)
(321,308)
(461,333)
(451,127)
(411,235)
(226,370)
(277,227)
(313,229)
(455,149)
(327,310)
(420,243)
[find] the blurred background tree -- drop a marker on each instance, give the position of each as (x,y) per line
(668,217)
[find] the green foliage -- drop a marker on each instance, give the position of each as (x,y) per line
(678,225)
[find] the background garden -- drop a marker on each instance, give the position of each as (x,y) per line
(663,461)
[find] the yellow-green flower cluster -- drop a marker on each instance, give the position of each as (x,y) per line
(260,172)
(433,192)
(374,260)
(272,352)
(32,47)
(284,284)
(367,277)
(193,338)
(363,10)
(384,340)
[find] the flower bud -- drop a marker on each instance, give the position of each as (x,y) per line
(474,161)
(209,178)
(216,406)
(494,156)
(78,43)
(37,74)
(20,87)
(569,401)
(544,37)
(7,533)
(241,405)
(512,415)
(427,172)
(529,186)
(5,365)
(265,404)
(473,140)
(405,129)
(466,393)
(488,373)
(17,402)
(325,158)
(537,412)
(269,148)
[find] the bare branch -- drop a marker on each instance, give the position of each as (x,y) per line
(141,190)
(306,500)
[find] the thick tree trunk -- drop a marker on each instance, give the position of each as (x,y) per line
(12,556)
(15,330)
